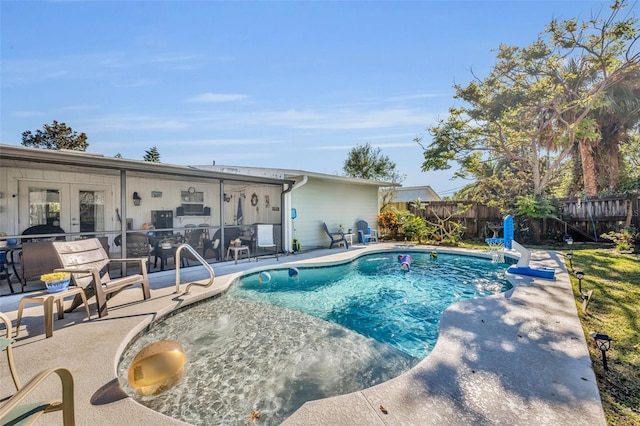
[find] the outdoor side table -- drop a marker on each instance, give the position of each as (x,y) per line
(349,237)
(47,300)
(237,250)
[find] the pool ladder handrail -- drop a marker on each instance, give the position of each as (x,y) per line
(199,259)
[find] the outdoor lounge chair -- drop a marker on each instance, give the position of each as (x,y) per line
(264,239)
(12,412)
(336,237)
(86,260)
(366,234)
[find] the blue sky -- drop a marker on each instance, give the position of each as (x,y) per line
(268,84)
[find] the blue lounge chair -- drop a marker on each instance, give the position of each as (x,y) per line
(366,234)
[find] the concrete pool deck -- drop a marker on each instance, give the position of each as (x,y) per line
(517,358)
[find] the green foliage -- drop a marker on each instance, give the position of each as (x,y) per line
(152,155)
(630,174)
(55,136)
(411,226)
(388,220)
(534,207)
(537,103)
(625,239)
(365,162)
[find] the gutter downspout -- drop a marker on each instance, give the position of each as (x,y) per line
(288,204)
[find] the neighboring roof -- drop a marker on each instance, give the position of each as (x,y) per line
(99,161)
(292,174)
(407,194)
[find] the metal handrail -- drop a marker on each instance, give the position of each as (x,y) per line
(199,259)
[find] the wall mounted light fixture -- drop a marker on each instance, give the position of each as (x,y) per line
(136,199)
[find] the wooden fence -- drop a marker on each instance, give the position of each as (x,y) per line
(587,218)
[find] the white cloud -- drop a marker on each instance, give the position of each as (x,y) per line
(217,97)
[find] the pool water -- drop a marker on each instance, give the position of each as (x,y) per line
(270,347)
(374,297)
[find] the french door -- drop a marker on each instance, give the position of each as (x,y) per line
(73,207)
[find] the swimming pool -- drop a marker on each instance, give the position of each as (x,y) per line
(246,355)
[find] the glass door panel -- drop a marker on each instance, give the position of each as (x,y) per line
(91,206)
(44,207)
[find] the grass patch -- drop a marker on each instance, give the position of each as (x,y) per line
(614,310)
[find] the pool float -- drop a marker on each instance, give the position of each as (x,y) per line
(264,277)
(157,367)
(405,262)
(293,272)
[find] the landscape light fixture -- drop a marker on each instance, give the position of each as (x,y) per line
(579,276)
(603,342)
(570,257)
(136,199)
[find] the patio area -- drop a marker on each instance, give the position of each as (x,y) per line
(517,358)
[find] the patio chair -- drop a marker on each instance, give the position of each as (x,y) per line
(366,234)
(42,230)
(12,411)
(138,245)
(264,239)
(336,237)
(88,263)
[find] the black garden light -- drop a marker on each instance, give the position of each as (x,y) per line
(603,342)
(570,257)
(579,276)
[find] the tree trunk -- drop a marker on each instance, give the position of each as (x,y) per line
(613,154)
(588,167)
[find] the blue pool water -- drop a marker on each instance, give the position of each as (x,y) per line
(330,331)
(374,297)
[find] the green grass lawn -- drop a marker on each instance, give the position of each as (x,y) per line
(613,310)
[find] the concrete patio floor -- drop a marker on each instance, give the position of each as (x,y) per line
(517,358)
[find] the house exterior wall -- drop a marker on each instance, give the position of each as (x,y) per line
(12,198)
(336,203)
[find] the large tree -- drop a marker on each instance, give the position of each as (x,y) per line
(55,136)
(537,102)
(363,161)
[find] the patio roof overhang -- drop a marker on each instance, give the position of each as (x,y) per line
(98,162)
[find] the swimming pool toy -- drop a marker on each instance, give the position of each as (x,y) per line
(433,254)
(522,267)
(293,272)
(157,367)
(264,277)
(405,262)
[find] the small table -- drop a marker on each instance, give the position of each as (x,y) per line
(47,300)
(349,237)
(237,250)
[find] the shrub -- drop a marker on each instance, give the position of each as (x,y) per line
(624,240)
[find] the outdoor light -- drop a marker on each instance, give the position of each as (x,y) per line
(136,199)
(603,342)
(570,257)
(579,276)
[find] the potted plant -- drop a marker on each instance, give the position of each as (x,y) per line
(56,281)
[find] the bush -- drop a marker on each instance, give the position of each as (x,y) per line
(624,240)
